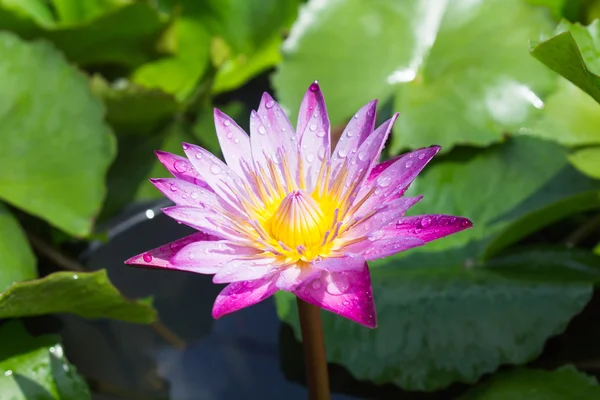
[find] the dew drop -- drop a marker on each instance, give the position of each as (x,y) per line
(346,303)
(282,129)
(342,153)
(147,257)
(194,195)
(350,133)
(236,140)
(215,169)
(421,156)
(339,285)
(310,158)
(180,166)
(229,135)
(425,222)
(173,187)
(270,104)
(313,127)
(321,133)
(198,156)
(185,146)
(226,122)
(384,181)
(316,284)
(362,155)
(262,130)
(314,86)
(409,164)
(355,116)
(191,255)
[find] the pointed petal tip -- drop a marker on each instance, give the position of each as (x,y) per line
(314,87)
(266,97)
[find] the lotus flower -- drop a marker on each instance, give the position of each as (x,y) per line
(287,213)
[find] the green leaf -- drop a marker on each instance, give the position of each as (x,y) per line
(87,294)
(124,35)
(18,261)
(56,147)
(179,74)
(554,265)
(565,383)
(454,72)
(535,178)
(36,368)
(441,322)
(35,10)
(76,11)
(575,54)
(133,109)
(587,160)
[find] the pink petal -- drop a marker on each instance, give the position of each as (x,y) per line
(294,276)
(390,179)
(222,179)
(180,168)
(246,269)
(348,294)
(355,133)
(234,142)
(208,257)
(238,295)
(184,193)
(314,130)
(384,245)
(429,227)
(352,262)
(206,220)
(160,257)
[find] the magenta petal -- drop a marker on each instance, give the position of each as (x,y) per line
(355,133)
(184,193)
(385,246)
(348,294)
(429,227)
(234,142)
(245,269)
(238,295)
(180,168)
(208,257)
(352,262)
(313,111)
(204,220)
(294,276)
(160,257)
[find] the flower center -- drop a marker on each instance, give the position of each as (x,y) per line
(298,221)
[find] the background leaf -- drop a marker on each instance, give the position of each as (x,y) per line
(18,261)
(56,146)
(87,294)
(36,368)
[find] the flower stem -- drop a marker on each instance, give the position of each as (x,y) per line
(314,351)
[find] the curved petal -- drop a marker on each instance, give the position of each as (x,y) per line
(384,245)
(294,276)
(315,134)
(350,262)
(245,269)
(184,193)
(208,257)
(429,227)
(355,133)
(161,256)
(348,294)
(180,168)
(234,142)
(206,220)
(390,179)
(238,295)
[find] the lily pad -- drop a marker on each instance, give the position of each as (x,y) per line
(587,160)
(575,54)
(56,147)
(455,72)
(565,383)
(36,367)
(87,294)
(18,261)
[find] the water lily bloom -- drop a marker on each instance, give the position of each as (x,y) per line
(285,212)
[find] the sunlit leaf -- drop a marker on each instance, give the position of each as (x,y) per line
(17,260)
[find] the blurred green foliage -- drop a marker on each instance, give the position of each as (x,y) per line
(91,88)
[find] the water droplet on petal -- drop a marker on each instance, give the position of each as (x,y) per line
(342,153)
(313,127)
(314,86)
(262,130)
(316,284)
(270,104)
(384,181)
(338,285)
(173,187)
(180,166)
(421,156)
(310,158)
(147,257)
(346,303)
(350,133)
(185,146)
(198,156)
(191,255)
(362,155)
(321,133)
(194,195)
(215,169)
(409,164)
(425,222)
(236,140)
(229,135)
(226,122)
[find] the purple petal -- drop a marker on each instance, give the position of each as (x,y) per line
(184,193)
(314,130)
(222,179)
(238,295)
(294,276)
(180,168)
(355,133)
(208,257)
(160,257)
(351,262)
(348,294)
(429,227)
(234,142)
(390,179)
(246,269)
(206,220)
(384,245)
